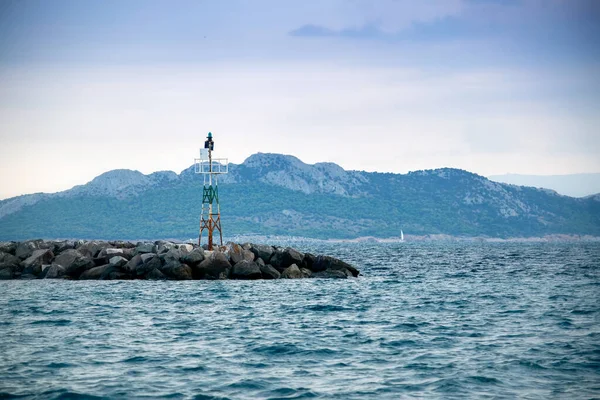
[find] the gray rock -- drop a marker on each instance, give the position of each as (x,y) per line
(150,261)
(35,261)
(268,272)
(114,273)
(95,273)
(163,246)
(8,247)
(92,249)
(262,251)
(177,271)
(55,271)
(246,270)
(8,258)
(59,247)
(143,248)
(216,266)
(329,263)
(306,273)
(117,261)
(172,254)
(309,261)
(25,249)
(282,259)
(132,264)
(185,248)
(74,262)
(156,275)
(332,273)
(292,272)
(194,258)
(110,252)
(7,271)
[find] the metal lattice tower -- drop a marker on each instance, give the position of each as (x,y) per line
(210,168)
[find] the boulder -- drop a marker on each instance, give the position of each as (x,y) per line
(59,247)
(292,272)
(323,263)
(176,270)
(308,261)
(8,258)
(332,273)
(35,261)
(156,275)
(117,261)
(306,273)
(7,271)
(25,249)
(132,264)
(185,247)
(172,254)
(8,247)
(194,258)
(143,248)
(121,244)
(215,266)
(237,253)
(95,273)
(109,252)
(114,273)
(246,270)
(92,249)
(282,259)
(163,246)
(268,272)
(74,262)
(262,251)
(150,261)
(55,271)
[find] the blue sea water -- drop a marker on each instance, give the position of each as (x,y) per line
(427,320)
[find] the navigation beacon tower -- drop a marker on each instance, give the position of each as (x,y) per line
(210,168)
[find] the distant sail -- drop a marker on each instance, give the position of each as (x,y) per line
(401,236)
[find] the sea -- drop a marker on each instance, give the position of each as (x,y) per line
(439,320)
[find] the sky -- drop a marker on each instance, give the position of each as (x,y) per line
(492,87)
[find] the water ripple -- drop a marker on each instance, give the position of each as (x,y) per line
(434,320)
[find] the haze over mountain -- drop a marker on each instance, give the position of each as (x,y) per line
(575,185)
(280,195)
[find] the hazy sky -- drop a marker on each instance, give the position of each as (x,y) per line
(489,86)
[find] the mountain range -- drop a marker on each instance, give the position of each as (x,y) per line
(274,194)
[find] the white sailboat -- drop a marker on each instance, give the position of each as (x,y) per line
(401,236)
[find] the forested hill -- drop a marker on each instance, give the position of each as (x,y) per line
(280,195)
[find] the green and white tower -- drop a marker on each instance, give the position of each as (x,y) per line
(210,168)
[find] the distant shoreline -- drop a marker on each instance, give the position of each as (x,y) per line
(363,239)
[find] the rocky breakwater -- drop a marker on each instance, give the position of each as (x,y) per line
(162,260)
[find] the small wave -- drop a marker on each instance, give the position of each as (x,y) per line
(583,312)
(59,365)
(406,326)
(56,322)
(194,369)
(531,364)
(326,307)
(136,359)
(289,393)
(277,349)
(248,384)
(484,379)
(400,343)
